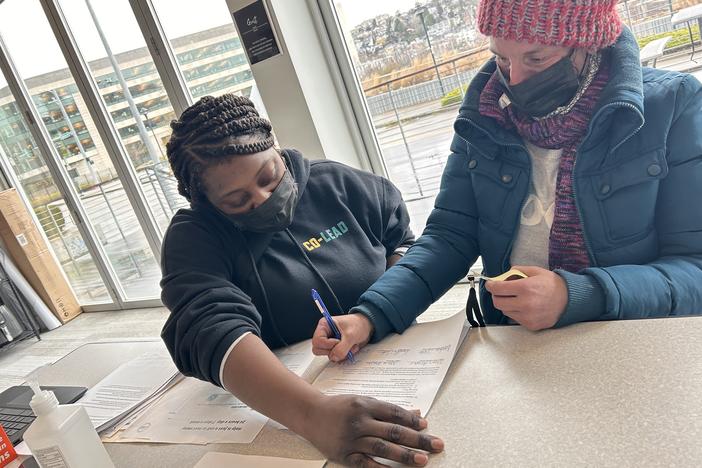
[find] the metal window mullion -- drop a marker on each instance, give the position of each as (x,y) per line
(101,118)
(162,54)
(334,46)
(59,174)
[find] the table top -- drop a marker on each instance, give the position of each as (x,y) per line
(687,14)
(624,393)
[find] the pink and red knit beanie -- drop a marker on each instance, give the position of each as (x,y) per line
(586,24)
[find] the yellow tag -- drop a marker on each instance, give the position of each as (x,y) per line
(510,275)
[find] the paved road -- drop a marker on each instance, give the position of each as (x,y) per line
(429,139)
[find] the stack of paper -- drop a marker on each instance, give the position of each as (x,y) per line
(129,390)
(197,412)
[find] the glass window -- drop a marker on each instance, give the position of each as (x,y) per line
(393,48)
(19,149)
(41,66)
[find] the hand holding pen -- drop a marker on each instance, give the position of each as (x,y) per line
(330,321)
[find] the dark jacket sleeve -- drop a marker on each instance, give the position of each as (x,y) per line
(397,232)
(441,256)
(208,312)
(670,285)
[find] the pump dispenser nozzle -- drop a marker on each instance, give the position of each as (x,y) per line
(43,401)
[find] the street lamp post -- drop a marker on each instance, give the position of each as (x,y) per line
(420,13)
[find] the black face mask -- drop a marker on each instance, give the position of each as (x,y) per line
(273,215)
(541,94)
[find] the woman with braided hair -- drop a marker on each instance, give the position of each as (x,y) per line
(264,228)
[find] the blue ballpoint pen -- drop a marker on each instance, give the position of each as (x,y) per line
(323,309)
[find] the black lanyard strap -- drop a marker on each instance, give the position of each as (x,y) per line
(475,317)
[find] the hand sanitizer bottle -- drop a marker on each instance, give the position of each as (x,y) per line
(62,436)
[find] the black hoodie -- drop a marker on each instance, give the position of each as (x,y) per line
(347,222)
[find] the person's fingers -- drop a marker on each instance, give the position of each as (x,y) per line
(388,412)
(339,352)
(324,343)
(322,338)
(322,347)
(378,447)
(506,303)
(403,435)
(322,329)
(364,461)
(505,288)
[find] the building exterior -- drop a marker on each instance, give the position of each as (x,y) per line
(212,62)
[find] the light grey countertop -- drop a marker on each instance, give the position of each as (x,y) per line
(625,393)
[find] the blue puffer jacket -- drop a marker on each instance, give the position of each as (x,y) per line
(638,189)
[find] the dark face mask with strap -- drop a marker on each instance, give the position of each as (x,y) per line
(273,215)
(541,94)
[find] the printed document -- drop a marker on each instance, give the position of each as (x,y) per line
(406,369)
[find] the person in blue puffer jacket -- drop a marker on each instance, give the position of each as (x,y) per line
(570,162)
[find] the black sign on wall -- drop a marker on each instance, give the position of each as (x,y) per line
(256,32)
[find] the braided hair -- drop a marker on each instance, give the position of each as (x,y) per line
(210,132)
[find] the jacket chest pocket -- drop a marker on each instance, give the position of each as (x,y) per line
(626,195)
(494,185)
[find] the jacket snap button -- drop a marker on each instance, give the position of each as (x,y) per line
(472,164)
(654,170)
(506,178)
(605,189)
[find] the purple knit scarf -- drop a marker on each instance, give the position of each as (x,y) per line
(566,242)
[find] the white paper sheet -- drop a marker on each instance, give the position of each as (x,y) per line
(229,460)
(127,387)
(198,412)
(406,369)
